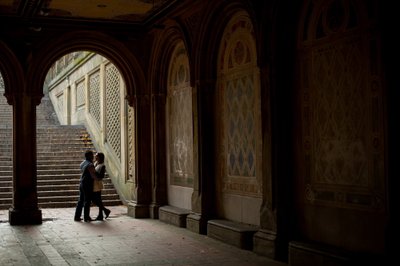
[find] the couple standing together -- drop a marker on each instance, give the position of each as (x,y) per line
(90,187)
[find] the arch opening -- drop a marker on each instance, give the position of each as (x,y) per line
(84,108)
(6,149)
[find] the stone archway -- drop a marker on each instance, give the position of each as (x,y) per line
(11,71)
(25,98)
(116,52)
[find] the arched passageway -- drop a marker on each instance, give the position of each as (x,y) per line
(87,95)
(292,124)
(26,179)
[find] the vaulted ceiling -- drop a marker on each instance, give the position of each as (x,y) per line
(37,17)
(104,10)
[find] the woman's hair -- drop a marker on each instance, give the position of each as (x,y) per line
(101,156)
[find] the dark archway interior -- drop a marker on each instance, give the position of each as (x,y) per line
(290,153)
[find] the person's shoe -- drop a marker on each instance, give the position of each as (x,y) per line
(78,219)
(107,212)
(88,220)
(99,218)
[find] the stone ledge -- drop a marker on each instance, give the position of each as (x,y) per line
(138,210)
(301,253)
(195,223)
(233,233)
(265,243)
(318,254)
(173,215)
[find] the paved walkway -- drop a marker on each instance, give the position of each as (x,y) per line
(119,240)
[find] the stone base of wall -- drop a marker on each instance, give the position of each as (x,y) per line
(173,215)
(305,254)
(24,217)
(265,243)
(233,233)
(153,210)
(138,210)
(195,223)
(302,254)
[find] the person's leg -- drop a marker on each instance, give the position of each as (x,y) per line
(86,204)
(97,201)
(106,211)
(79,205)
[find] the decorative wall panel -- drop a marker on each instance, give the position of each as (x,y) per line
(80,94)
(131,144)
(113,109)
(238,111)
(60,102)
(94,92)
(180,121)
(341,109)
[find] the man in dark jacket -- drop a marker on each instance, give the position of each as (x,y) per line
(85,188)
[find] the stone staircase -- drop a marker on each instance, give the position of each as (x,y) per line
(60,150)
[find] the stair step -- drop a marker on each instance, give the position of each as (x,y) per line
(6,195)
(50,155)
(6,184)
(105,193)
(69,180)
(6,189)
(5,178)
(70,204)
(65,185)
(71,197)
(58,166)
(58,172)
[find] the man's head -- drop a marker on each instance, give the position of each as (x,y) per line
(89,155)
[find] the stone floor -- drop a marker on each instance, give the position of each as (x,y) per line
(119,240)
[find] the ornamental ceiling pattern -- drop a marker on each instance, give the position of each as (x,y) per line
(126,10)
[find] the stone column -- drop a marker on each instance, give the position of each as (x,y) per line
(139,208)
(159,177)
(265,238)
(203,183)
(25,198)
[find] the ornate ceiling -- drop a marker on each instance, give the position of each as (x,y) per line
(129,11)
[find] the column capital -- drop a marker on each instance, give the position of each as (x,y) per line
(12,98)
